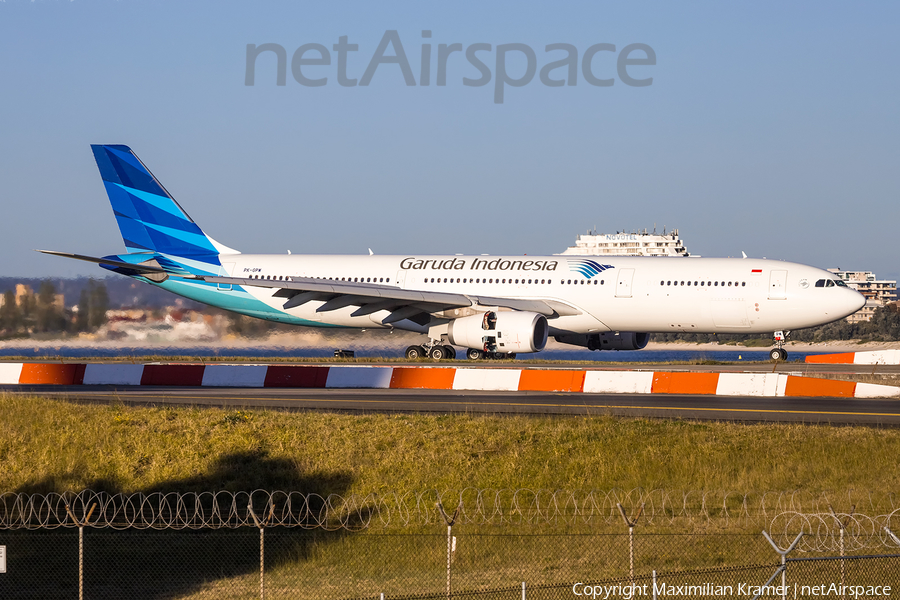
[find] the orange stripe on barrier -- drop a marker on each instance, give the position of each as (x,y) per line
(43,373)
(685,383)
(422,378)
(832,359)
(811,386)
(551,381)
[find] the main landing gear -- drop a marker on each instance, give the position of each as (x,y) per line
(778,353)
(437,351)
(476,354)
(433,349)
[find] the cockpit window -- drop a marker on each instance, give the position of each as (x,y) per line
(840,283)
(830,283)
(820,283)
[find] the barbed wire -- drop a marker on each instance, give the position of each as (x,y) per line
(790,511)
(837,532)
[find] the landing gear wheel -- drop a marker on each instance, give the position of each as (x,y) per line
(437,353)
(450,352)
(498,355)
(778,354)
(511,356)
(474,354)
(415,352)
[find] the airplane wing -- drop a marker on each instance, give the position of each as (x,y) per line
(402,304)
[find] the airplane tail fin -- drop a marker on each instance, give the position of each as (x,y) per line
(149,218)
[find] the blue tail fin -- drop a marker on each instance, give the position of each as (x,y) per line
(149,218)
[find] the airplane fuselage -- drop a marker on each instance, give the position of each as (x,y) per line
(701,295)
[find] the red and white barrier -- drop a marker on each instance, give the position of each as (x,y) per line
(875,357)
(438,378)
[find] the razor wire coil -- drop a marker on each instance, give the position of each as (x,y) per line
(782,511)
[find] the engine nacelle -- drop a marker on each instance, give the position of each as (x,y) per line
(607,340)
(501,331)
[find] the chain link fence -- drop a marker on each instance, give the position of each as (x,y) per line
(118,549)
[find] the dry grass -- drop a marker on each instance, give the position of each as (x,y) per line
(54,445)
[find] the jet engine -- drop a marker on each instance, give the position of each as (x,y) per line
(505,331)
(607,340)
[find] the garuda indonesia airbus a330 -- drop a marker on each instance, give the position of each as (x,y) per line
(493,306)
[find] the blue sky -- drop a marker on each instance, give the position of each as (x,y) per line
(768,128)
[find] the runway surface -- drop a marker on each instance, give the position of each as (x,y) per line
(670,406)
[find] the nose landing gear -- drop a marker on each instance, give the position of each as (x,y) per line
(778,353)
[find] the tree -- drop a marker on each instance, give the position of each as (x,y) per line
(92,306)
(10,318)
(48,316)
(84,307)
(99,304)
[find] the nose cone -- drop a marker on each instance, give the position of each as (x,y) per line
(853,302)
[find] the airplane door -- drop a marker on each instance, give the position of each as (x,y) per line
(777,285)
(401,278)
(623,285)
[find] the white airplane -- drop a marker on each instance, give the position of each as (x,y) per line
(493,306)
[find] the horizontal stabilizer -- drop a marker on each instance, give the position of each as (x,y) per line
(142,268)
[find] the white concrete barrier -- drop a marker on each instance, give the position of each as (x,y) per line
(9,373)
(873,390)
(112,374)
(877,357)
(751,384)
(618,382)
(234,375)
(359,377)
(488,380)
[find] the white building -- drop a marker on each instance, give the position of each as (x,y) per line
(629,244)
(878,292)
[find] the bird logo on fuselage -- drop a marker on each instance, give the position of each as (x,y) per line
(587,267)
